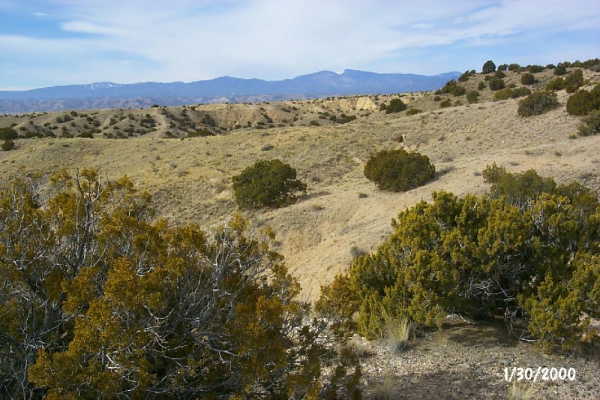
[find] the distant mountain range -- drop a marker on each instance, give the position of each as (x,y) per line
(219,90)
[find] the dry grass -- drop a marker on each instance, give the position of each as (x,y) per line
(521,391)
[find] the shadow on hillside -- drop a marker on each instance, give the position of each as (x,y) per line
(447,385)
(481,334)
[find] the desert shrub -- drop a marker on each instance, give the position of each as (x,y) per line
(556,84)
(574,81)
(496,84)
(437,98)
(8,145)
(500,74)
(527,79)
(520,92)
(399,170)
(537,103)
(580,103)
(503,94)
(550,66)
(8,134)
(465,76)
(473,96)
(534,69)
(413,111)
(454,88)
(483,257)
(100,300)
(481,85)
(590,125)
(446,103)
(267,183)
(514,67)
(503,67)
(314,123)
(396,105)
(488,67)
(560,70)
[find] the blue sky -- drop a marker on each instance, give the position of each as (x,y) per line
(57,42)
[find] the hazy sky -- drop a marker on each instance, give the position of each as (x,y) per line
(54,42)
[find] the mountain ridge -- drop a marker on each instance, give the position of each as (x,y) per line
(221,89)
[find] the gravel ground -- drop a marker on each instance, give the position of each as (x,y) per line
(467,362)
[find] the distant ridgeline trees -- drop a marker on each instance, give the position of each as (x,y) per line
(100,300)
(527,253)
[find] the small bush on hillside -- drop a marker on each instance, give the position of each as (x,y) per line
(520,92)
(580,103)
(500,74)
(8,134)
(396,105)
(496,84)
(514,67)
(465,76)
(267,183)
(556,84)
(574,81)
(437,98)
(413,111)
(534,69)
(537,103)
(560,70)
(503,94)
(488,67)
(459,90)
(454,88)
(473,96)
(446,103)
(481,85)
(8,145)
(399,170)
(503,67)
(590,125)
(527,79)
(527,253)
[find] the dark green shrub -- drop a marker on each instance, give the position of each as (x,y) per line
(399,170)
(267,183)
(8,134)
(465,76)
(574,81)
(537,103)
(550,66)
(531,262)
(503,94)
(396,105)
(534,69)
(514,67)
(488,67)
(458,90)
(560,70)
(500,74)
(520,92)
(446,103)
(496,84)
(590,124)
(503,67)
(473,96)
(556,84)
(527,79)
(481,85)
(437,98)
(580,103)
(413,111)
(8,145)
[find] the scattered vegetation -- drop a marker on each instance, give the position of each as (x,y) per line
(527,79)
(399,170)
(590,125)
(8,144)
(583,102)
(473,96)
(396,105)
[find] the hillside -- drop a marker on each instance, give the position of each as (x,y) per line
(187,155)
